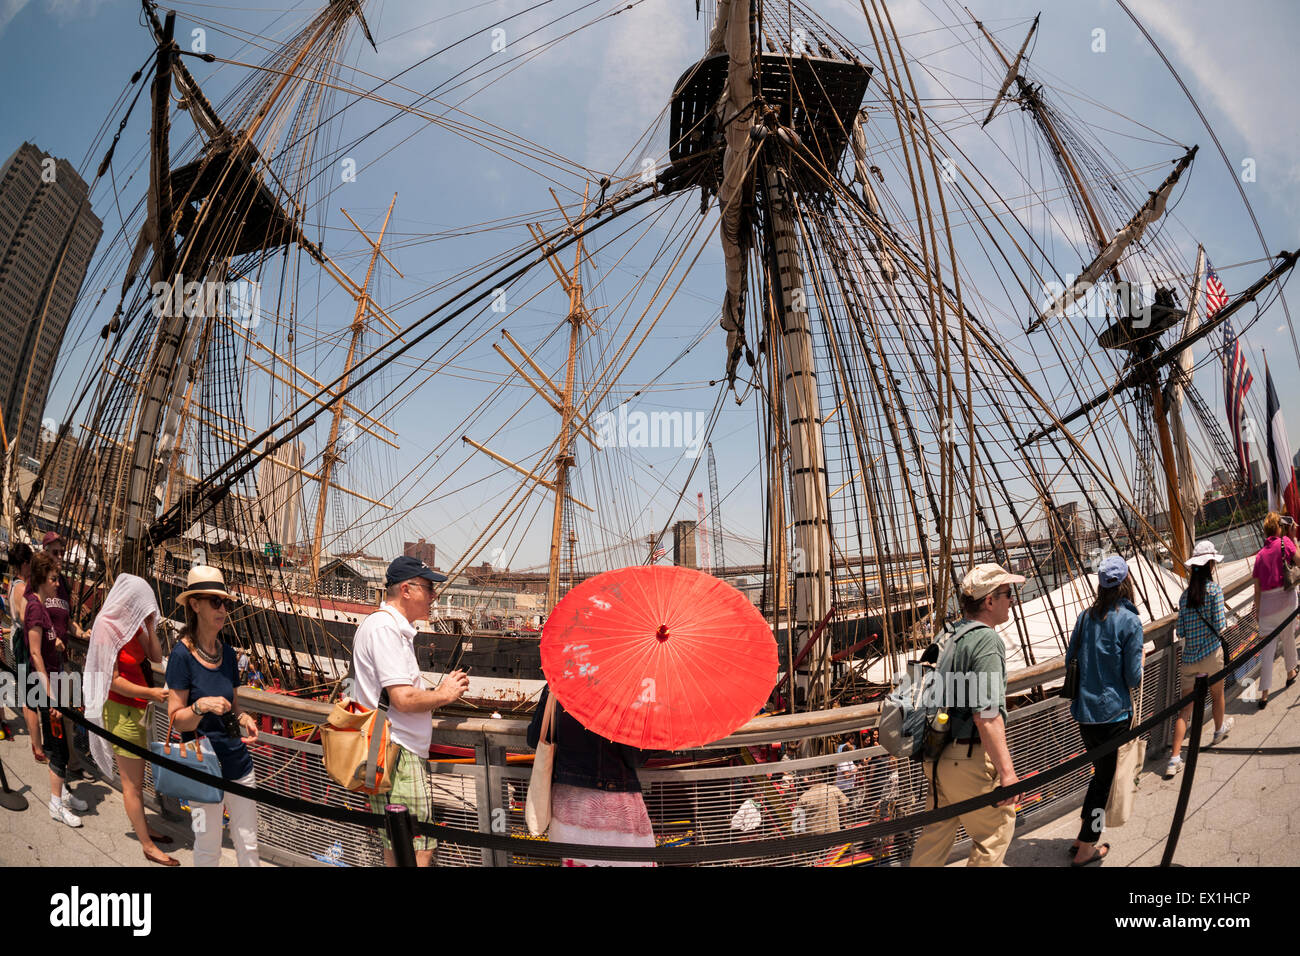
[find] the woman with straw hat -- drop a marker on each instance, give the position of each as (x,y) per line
(1201,619)
(202,674)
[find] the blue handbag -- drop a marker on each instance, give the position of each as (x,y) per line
(202,758)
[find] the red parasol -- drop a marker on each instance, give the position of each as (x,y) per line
(662,658)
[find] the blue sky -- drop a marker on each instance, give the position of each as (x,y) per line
(589,98)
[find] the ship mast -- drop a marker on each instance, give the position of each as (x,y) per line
(331,456)
(561,400)
(1028,94)
(564,457)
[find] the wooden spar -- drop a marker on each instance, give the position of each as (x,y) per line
(580,422)
(324,404)
(331,456)
(559,393)
(1030,96)
(809,504)
(1012,69)
(531,476)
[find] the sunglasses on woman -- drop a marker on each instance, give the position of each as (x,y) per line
(217,603)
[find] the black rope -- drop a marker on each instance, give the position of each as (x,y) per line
(780,846)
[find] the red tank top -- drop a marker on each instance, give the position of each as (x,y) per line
(131,662)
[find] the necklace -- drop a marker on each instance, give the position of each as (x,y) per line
(213,659)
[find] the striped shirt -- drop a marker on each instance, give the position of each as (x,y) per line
(1200,627)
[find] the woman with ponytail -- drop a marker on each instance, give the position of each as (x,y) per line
(1201,618)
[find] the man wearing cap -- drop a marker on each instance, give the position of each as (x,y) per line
(383,659)
(977,760)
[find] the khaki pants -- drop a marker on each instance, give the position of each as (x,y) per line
(990,828)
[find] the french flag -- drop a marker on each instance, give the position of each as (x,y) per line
(1283,493)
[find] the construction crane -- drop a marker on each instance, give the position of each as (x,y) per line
(715,516)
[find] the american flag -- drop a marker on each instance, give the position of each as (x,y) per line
(1216,296)
(1236,384)
(657,553)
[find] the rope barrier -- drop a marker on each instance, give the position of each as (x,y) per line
(781,846)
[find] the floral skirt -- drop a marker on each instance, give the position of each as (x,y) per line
(600,818)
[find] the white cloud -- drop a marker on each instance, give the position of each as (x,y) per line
(647,50)
(62,10)
(1250,89)
(8,10)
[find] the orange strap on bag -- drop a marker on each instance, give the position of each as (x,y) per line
(360,754)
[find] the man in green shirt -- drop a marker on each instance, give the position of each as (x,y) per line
(977,761)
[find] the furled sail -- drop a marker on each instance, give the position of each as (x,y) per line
(1151,210)
(735,109)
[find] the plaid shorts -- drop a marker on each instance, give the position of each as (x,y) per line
(410,789)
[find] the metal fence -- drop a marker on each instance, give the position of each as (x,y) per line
(713,804)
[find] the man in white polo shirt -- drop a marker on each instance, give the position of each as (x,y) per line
(383,658)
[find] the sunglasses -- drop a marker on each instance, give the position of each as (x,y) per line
(216,603)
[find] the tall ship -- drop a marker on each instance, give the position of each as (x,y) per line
(953,329)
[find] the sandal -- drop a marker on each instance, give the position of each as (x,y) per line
(1291,677)
(165,861)
(1103,851)
(160,837)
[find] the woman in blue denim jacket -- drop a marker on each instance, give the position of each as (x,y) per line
(1107,641)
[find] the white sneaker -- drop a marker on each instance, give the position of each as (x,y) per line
(1222,732)
(61,813)
(73,802)
(1175,765)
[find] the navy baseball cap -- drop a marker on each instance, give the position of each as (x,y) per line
(405,568)
(1112,571)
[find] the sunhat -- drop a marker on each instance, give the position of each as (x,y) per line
(204,581)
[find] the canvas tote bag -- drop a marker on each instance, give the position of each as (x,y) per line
(537,809)
(1129,761)
(360,753)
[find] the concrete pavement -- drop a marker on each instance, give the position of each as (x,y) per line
(1245,802)
(105,838)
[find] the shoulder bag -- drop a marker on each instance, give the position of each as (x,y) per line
(1129,761)
(203,758)
(537,808)
(1290,572)
(359,751)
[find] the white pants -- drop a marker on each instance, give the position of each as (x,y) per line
(206,822)
(1274,609)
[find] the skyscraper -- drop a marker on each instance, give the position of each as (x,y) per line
(48,234)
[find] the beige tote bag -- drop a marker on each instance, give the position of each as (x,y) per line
(1129,761)
(537,809)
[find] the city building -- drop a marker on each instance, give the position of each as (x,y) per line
(684,544)
(48,234)
(420,550)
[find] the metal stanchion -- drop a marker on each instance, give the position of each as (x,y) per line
(397,821)
(1189,771)
(8,798)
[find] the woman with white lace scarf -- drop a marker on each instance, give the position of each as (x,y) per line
(117,681)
